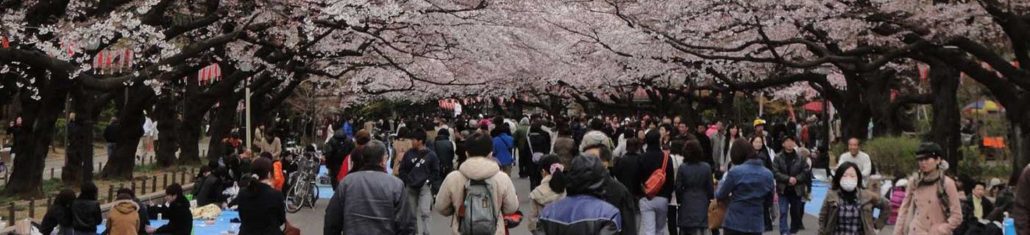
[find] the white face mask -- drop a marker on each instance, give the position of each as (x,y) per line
(849,184)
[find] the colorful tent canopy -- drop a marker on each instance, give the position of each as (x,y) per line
(814,106)
(983,107)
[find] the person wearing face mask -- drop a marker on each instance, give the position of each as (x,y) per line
(932,204)
(849,210)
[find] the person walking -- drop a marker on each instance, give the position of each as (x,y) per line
(479,173)
(764,153)
(420,171)
(445,150)
(370,201)
(400,144)
(615,193)
(932,204)
(627,168)
(547,192)
(848,209)
(694,189)
(596,135)
(177,210)
(582,211)
(791,173)
(337,151)
(262,208)
(58,218)
(855,155)
(503,144)
(565,145)
(747,187)
(111,136)
(123,219)
(538,144)
(653,209)
(85,210)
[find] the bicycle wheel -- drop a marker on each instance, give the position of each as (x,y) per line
(295,199)
(314,194)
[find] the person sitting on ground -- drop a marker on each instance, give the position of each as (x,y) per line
(123,219)
(370,201)
(262,208)
(85,210)
(204,186)
(582,211)
(479,168)
(142,209)
(176,210)
(58,216)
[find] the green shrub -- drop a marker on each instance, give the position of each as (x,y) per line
(974,166)
(889,154)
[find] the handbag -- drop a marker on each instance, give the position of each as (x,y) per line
(657,179)
(289,229)
(716,213)
(536,155)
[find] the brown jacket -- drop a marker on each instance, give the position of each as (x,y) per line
(123,219)
(922,211)
(1021,206)
(452,192)
(867,200)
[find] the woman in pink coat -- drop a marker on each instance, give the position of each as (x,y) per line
(932,204)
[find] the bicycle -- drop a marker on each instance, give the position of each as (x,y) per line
(303,191)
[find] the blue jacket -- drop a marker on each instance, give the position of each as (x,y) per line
(503,145)
(580,214)
(751,184)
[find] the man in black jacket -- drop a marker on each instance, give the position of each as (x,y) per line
(614,192)
(336,151)
(111,136)
(420,171)
(791,176)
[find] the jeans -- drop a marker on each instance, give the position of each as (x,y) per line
(790,203)
(421,201)
(653,215)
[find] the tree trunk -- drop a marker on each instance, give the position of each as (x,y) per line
(34,137)
(945,124)
(221,124)
(189,139)
(130,126)
(78,162)
(167,121)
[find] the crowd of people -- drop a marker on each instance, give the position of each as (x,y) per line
(601,175)
(643,175)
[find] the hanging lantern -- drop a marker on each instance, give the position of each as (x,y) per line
(5,42)
(209,74)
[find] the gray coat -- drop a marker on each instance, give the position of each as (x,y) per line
(369,202)
(694,189)
(718,144)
